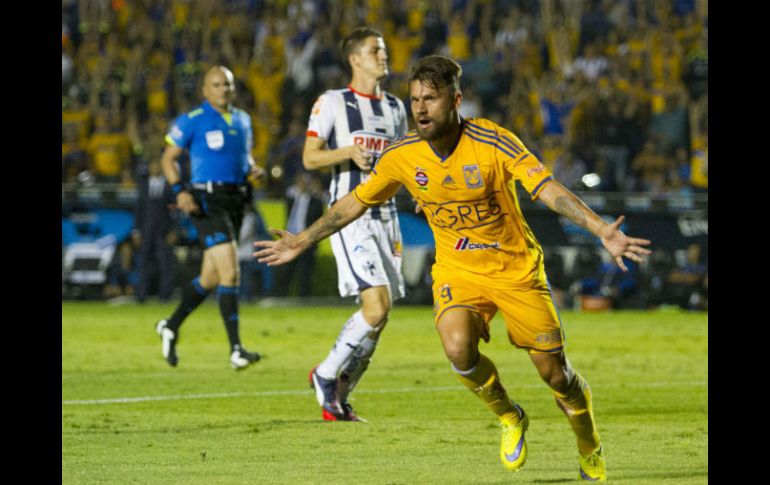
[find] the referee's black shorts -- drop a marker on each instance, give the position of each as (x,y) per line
(220,216)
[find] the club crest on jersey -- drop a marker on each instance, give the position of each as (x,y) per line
(472,175)
(464,244)
(215,139)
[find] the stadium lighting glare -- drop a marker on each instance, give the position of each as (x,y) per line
(276,172)
(591,180)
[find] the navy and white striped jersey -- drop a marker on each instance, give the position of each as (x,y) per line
(343,117)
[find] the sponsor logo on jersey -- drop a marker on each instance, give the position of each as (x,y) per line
(532,171)
(464,244)
(375,142)
(448,180)
(547,338)
(472,175)
(465,214)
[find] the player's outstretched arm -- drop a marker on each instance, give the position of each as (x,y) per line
(559,199)
(316,156)
(289,246)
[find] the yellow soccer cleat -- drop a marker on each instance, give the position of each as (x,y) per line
(513,447)
(592,467)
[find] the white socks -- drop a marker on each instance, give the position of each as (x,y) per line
(350,337)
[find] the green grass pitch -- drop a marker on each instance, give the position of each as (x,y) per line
(128,418)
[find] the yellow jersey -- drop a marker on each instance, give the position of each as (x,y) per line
(469,200)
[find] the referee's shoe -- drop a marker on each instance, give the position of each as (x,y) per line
(242,358)
(168,342)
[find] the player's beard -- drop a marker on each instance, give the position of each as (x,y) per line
(439,130)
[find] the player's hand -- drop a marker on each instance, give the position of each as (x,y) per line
(186,203)
(361,157)
(257,173)
(417,206)
(280,251)
(619,245)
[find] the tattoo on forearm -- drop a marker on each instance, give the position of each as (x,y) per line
(568,207)
(327,225)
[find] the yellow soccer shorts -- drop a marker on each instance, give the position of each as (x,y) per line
(530,315)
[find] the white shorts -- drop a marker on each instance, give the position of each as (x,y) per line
(368,253)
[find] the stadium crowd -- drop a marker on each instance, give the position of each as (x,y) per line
(616,88)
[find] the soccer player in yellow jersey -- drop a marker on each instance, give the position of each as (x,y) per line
(462,174)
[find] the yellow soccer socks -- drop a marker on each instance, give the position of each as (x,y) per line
(484,381)
(576,405)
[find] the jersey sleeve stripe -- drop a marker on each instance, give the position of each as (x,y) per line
(355,194)
(540,185)
(488,142)
(521,159)
(170,141)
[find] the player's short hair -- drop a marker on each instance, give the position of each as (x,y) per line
(352,43)
(437,72)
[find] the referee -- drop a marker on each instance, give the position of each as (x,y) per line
(218,138)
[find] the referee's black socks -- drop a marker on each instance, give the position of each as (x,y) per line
(192,296)
(228,307)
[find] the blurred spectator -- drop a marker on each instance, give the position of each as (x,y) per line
(610,282)
(591,63)
(74,157)
(650,168)
(458,39)
(669,127)
(687,284)
(594,24)
(569,170)
(76,117)
(155,229)
(122,276)
(613,137)
(265,76)
(298,84)
(109,149)
(402,52)
(305,203)
(256,278)
(288,154)
(697,69)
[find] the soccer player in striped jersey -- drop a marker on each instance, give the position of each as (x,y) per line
(462,173)
(347,131)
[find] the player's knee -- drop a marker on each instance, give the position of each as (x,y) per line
(558,380)
(376,314)
(208,280)
(460,354)
(229,279)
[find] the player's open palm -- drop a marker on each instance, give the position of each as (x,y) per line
(279,251)
(619,245)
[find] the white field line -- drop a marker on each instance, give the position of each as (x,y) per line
(123,400)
